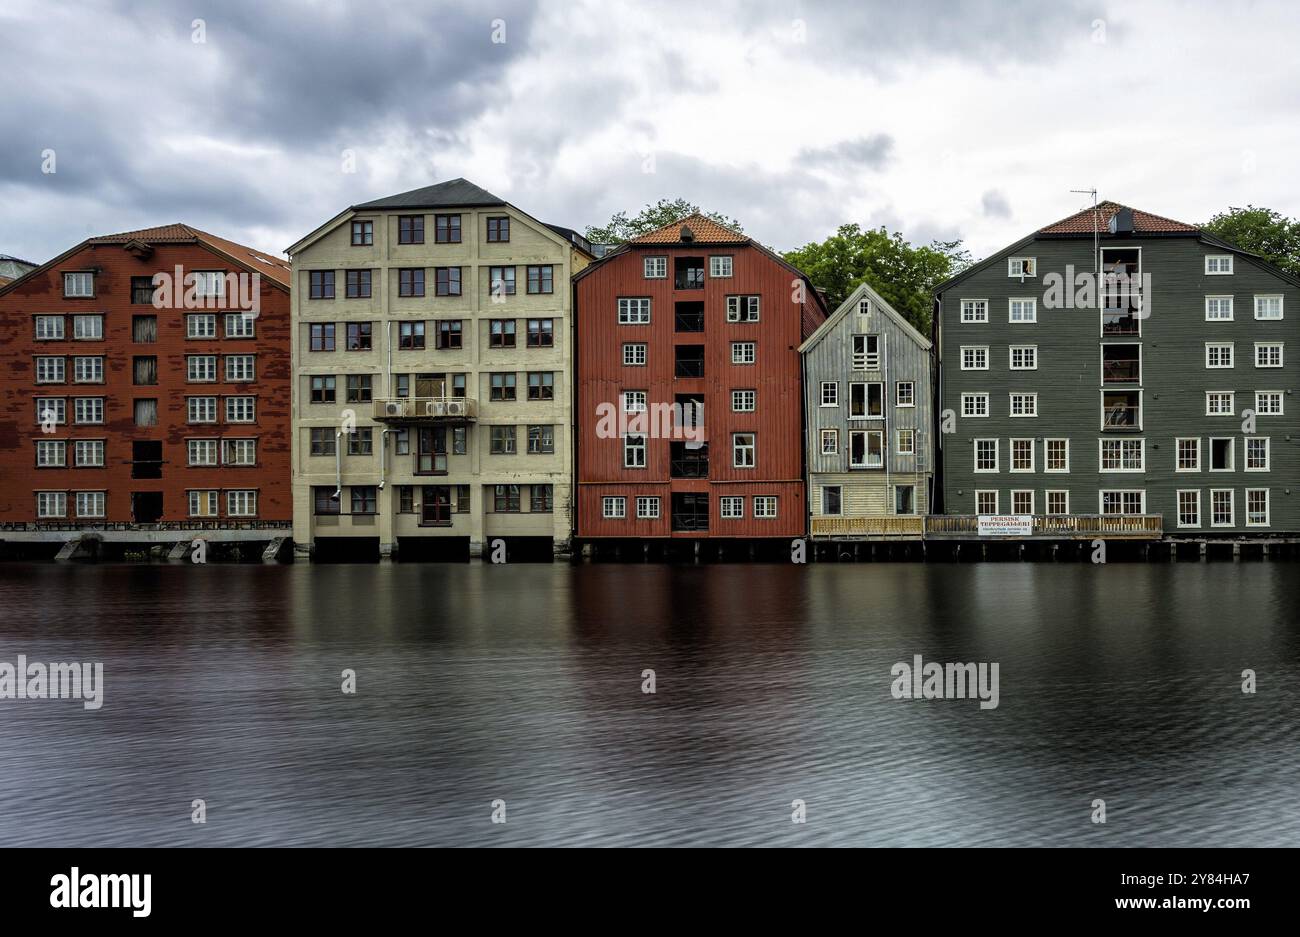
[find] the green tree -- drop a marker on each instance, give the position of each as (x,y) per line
(1262,231)
(905,275)
(664,212)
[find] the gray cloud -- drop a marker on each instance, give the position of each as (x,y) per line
(995,205)
(870,152)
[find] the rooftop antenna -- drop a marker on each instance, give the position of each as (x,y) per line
(1096,245)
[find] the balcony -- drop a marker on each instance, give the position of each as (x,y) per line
(689,463)
(688,273)
(1121,364)
(425,409)
(690,317)
(1121,411)
(690,512)
(1053,527)
(884,527)
(688,361)
(1120,322)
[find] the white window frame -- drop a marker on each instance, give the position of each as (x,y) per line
(1268,507)
(59,500)
(831,399)
(1123,442)
(201,325)
(978,311)
(738,449)
(976,351)
(613,507)
(96,453)
(1267,347)
(244,325)
(1218,258)
(243,365)
(95,363)
(908,448)
(79,277)
(975,397)
(98,501)
(731,507)
(833,436)
(744,353)
(744,401)
(1017,268)
(632,351)
(635,401)
(203,502)
(202,405)
(1047,502)
(1031,397)
(201,369)
(1268,454)
(51,453)
(46,330)
(1219,318)
(1232,507)
(716,266)
(1231,355)
(241,502)
(762,504)
(655,267)
(911,393)
(634,443)
(1178,508)
(1281,306)
(647,508)
(1032,310)
(997,450)
(1021,491)
(1011,454)
(1281,403)
(84,318)
(1178,454)
(47,363)
(1210,395)
(1027,352)
(634,310)
(94,404)
(981,493)
(241,409)
(1101,500)
(244,450)
(202,452)
(744,308)
(866,449)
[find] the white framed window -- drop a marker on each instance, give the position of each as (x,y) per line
(1121,502)
(49,328)
(866,400)
(88,453)
(1218,354)
(720,266)
(1024,357)
(1022,455)
(51,453)
(1268,402)
(975,405)
(241,503)
(201,409)
(866,448)
(1057,501)
(1024,404)
(1022,502)
(240,325)
(986,455)
(613,506)
(765,506)
(974,357)
(1187,456)
(744,450)
(203,503)
(986,502)
(1189,507)
(50,371)
(634,354)
(201,326)
(241,410)
(1022,309)
(1123,455)
(832,500)
(634,452)
(905,394)
(905,442)
(88,369)
(1218,264)
(88,410)
(1022,267)
(239,452)
(88,327)
(731,507)
(78,285)
(1268,307)
(743,401)
(656,268)
(209,284)
(647,508)
(1258,457)
(1223,453)
(830,393)
(974,310)
(1268,354)
(830,439)
(90,503)
(744,352)
(51,410)
(1222,513)
(200,452)
(634,401)
(1219,403)
(51,504)
(634,310)
(239,368)
(201,368)
(1056,455)
(742,308)
(1218,309)
(1257,512)
(866,352)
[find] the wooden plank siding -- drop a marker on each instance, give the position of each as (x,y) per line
(775,377)
(1174,381)
(905,357)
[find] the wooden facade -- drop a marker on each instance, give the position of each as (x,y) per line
(868,398)
(686,332)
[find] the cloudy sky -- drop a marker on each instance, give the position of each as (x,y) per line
(963,118)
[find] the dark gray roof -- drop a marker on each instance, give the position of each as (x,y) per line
(457,193)
(572,236)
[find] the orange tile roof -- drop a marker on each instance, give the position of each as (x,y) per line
(705,230)
(264,262)
(1143,222)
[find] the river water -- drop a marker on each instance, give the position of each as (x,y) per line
(523,685)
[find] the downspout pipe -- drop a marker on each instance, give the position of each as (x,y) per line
(338,464)
(383,452)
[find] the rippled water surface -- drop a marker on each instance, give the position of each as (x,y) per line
(524,684)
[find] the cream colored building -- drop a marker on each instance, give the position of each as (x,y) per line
(432,361)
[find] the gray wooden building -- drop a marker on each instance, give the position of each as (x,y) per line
(1121,373)
(868,400)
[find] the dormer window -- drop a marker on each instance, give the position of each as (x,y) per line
(1218,264)
(78,285)
(1022,267)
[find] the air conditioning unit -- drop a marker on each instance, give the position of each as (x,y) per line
(433,408)
(455,408)
(393,408)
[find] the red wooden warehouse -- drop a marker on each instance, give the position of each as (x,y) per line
(146,407)
(693,314)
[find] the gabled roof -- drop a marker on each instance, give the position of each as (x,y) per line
(1144,222)
(878,302)
(455,193)
(276,269)
(704,231)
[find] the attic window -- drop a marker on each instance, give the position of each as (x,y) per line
(1022,267)
(687,234)
(1218,264)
